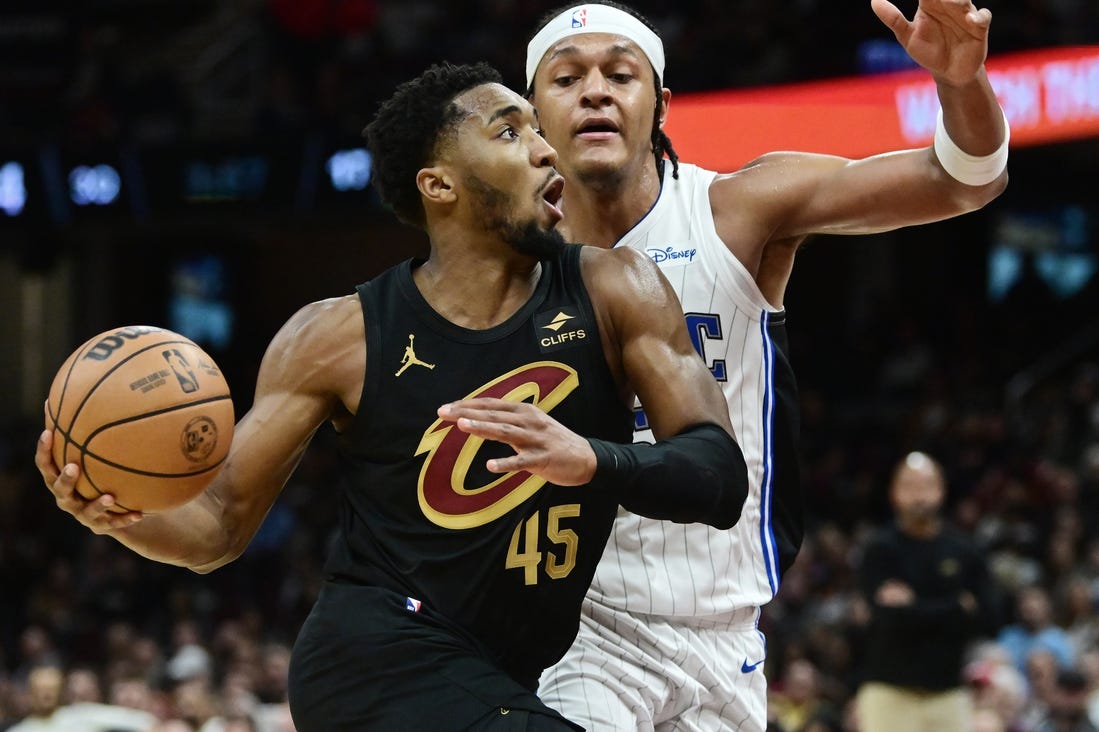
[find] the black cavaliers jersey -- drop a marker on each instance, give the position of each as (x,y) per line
(505,558)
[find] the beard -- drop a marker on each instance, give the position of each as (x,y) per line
(534,241)
(530,238)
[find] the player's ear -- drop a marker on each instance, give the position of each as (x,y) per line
(662,105)
(436,184)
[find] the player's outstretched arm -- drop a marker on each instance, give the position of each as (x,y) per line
(789,195)
(300,380)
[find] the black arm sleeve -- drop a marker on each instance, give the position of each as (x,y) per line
(698,475)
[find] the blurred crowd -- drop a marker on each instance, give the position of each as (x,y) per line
(148,71)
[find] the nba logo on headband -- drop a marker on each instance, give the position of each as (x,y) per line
(595,18)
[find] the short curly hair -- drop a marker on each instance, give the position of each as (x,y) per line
(404,135)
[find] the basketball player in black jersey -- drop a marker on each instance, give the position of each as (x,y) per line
(468,532)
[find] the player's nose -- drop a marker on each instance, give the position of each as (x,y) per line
(594,87)
(542,154)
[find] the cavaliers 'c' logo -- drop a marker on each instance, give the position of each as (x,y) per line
(444,498)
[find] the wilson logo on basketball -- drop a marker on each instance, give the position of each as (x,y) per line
(107,345)
(444,497)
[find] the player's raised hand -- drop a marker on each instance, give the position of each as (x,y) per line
(96,515)
(543,446)
(949,38)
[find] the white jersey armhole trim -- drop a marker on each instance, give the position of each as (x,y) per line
(730,271)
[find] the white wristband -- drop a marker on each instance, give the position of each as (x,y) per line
(973,170)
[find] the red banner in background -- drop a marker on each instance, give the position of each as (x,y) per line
(1049,96)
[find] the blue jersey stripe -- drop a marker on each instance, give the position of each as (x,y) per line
(766,531)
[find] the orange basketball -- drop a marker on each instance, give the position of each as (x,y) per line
(145,413)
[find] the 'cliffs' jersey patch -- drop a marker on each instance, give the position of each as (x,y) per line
(561,328)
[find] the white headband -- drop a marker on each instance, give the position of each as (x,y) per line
(594,19)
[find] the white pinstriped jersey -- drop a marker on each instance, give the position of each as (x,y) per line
(670,569)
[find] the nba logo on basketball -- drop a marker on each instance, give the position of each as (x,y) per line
(580,18)
(182,369)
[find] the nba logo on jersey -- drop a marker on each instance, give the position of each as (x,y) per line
(412,604)
(580,18)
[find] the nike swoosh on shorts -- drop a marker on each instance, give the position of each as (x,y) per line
(747,668)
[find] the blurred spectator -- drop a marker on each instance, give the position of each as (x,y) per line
(47,714)
(795,700)
(998,689)
(82,685)
(36,649)
(1068,705)
(196,702)
(1034,629)
(44,687)
(134,693)
(1089,667)
(1042,668)
(930,595)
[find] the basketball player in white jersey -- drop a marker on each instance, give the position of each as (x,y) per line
(669,637)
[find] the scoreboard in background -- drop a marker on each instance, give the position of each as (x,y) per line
(1049,96)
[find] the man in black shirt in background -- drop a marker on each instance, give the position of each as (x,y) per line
(929,595)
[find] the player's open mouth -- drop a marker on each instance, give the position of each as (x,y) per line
(597,128)
(551,194)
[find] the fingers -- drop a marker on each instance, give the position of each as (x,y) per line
(893,18)
(494,419)
(43,457)
(65,493)
(979,19)
(97,515)
(515,463)
(962,13)
(542,445)
(100,515)
(481,406)
(61,482)
(517,424)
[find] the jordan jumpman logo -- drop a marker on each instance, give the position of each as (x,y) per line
(409,358)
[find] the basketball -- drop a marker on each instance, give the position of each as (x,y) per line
(145,413)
